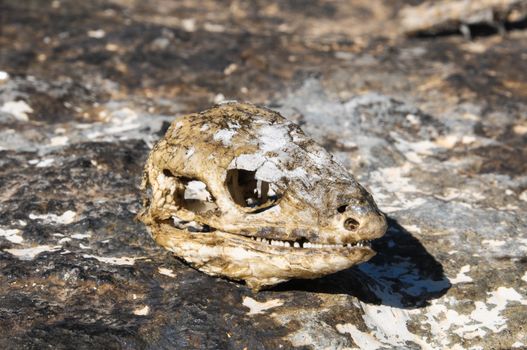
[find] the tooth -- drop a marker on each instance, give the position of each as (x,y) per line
(296,245)
(307,245)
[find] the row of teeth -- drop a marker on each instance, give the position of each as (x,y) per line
(193,226)
(308,244)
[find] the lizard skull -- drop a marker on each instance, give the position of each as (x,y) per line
(241,192)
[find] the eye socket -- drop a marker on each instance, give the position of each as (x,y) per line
(195,196)
(191,194)
(250,193)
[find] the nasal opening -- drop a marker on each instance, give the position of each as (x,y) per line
(351,224)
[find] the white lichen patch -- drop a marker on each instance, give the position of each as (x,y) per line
(256,307)
(32,252)
(414,151)
(123,261)
(44,163)
(413,228)
(493,243)
(389,325)
(364,340)
(18,109)
(96,33)
(486,317)
(224,136)
(143,311)
(59,141)
(65,218)
(166,272)
(461,277)
(12,235)
(273,137)
(80,235)
(395,179)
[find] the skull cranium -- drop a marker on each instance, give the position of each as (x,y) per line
(241,192)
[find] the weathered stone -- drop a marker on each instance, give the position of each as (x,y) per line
(435,127)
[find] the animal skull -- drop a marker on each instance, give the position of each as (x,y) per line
(241,192)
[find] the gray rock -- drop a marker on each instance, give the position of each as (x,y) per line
(435,127)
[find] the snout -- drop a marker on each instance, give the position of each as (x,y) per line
(363,223)
(372,225)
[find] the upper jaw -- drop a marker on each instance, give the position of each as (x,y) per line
(271,242)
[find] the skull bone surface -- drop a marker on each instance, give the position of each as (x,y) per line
(239,191)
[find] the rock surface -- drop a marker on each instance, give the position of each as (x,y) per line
(435,127)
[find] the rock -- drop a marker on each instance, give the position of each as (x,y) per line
(448,16)
(434,126)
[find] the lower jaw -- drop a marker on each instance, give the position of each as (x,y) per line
(258,264)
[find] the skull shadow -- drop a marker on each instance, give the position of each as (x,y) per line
(402,274)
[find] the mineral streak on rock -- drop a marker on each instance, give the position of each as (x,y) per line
(241,192)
